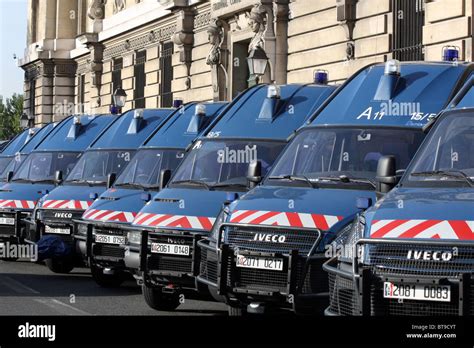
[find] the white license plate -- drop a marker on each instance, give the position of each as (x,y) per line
(109,239)
(439,293)
(48,229)
(171,249)
(7,221)
(259,263)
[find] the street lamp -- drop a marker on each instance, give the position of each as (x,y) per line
(120,98)
(257,61)
(24,121)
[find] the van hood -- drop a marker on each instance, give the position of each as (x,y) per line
(421,213)
(117,205)
(70,197)
(190,209)
(22,196)
(297,206)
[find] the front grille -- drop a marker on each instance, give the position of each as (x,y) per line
(171,263)
(7,229)
(208,265)
(110,231)
(108,250)
(315,281)
(61,216)
(392,259)
(342,296)
(247,238)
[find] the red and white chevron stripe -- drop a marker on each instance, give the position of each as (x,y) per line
(426,229)
(66,204)
(289,219)
(165,220)
(109,215)
(22,204)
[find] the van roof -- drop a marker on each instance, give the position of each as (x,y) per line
(423,87)
(90,128)
(297,103)
(40,134)
(175,134)
(18,142)
(129,132)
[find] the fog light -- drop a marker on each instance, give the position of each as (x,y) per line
(82,229)
(134,237)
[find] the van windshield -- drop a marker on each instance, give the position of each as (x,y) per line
(223,164)
(12,166)
(42,166)
(145,167)
(446,156)
(4,162)
(342,155)
(95,166)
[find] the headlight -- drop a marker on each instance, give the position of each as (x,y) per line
(343,244)
(221,218)
(134,237)
(82,229)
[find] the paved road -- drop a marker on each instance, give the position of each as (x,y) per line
(32,289)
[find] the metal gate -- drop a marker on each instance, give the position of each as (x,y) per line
(166,70)
(407,39)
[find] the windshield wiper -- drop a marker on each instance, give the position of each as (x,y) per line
(193,182)
(230,184)
(130,184)
(89,182)
(301,178)
(455,174)
(346,179)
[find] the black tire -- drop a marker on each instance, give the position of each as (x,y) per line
(60,266)
(156,299)
(106,280)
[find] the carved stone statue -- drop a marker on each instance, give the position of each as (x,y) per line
(258,22)
(119,5)
(215,34)
(96,9)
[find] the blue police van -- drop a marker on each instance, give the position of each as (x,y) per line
(101,237)
(412,253)
(255,126)
(42,170)
(96,171)
(14,154)
(266,250)
(13,146)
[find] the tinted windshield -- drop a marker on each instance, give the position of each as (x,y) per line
(146,165)
(354,152)
(41,166)
(218,162)
(4,162)
(12,166)
(95,166)
(447,154)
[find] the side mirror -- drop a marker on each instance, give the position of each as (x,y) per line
(9,176)
(58,177)
(111,179)
(165,176)
(254,174)
(386,174)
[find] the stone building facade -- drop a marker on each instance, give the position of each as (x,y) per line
(80,51)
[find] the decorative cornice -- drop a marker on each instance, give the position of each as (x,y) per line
(138,43)
(202,20)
